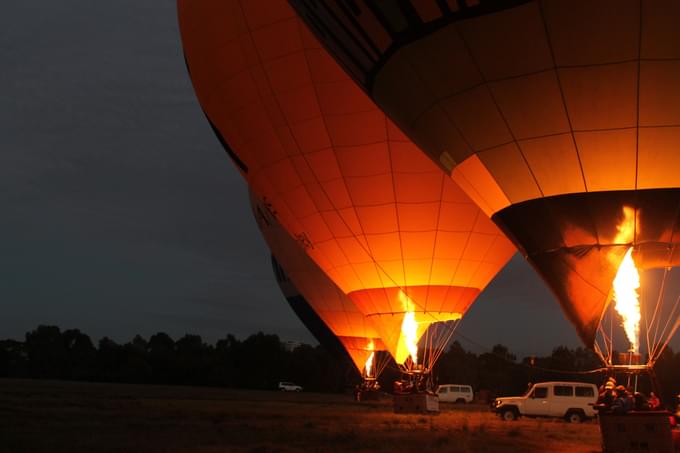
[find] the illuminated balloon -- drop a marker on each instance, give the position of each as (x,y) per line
(302,282)
(560,119)
(385,224)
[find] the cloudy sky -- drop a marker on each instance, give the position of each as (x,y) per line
(121,214)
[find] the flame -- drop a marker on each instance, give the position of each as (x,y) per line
(368,367)
(369,364)
(409,327)
(626,229)
(626,283)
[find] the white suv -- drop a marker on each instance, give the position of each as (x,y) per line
(572,401)
(289,387)
(452,393)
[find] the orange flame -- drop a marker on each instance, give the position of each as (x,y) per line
(626,283)
(369,364)
(626,229)
(368,367)
(409,327)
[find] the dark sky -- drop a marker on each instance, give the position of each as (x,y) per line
(121,214)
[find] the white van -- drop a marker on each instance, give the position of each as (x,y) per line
(455,393)
(289,387)
(572,401)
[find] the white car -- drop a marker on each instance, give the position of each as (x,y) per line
(572,401)
(289,387)
(455,393)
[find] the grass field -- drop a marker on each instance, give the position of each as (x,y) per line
(49,416)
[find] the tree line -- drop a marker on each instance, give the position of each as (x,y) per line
(261,360)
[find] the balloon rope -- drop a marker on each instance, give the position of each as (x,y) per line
(381,360)
(550,370)
(598,351)
(448,328)
(431,342)
(659,302)
(660,348)
(647,324)
(611,334)
(605,339)
(427,353)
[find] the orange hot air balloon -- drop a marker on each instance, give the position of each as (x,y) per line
(299,277)
(387,226)
(560,118)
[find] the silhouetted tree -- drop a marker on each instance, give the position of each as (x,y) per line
(261,360)
(161,354)
(47,354)
(668,376)
(109,360)
(193,360)
(81,355)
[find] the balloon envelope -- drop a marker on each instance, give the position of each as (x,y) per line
(560,118)
(300,278)
(384,223)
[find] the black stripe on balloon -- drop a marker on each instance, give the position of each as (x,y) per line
(237,160)
(313,322)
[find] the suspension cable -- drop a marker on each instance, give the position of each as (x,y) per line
(658,350)
(658,304)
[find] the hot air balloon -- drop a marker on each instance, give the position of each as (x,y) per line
(307,288)
(389,228)
(560,118)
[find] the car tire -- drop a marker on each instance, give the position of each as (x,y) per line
(509,415)
(574,417)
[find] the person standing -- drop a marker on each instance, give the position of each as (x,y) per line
(654,402)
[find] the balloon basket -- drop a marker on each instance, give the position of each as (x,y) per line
(414,380)
(629,369)
(368,390)
(416,403)
(648,431)
(369,395)
(631,374)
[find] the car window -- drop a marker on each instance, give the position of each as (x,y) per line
(443,390)
(466,389)
(585,391)
(455,389)
(563,390)
(540,392)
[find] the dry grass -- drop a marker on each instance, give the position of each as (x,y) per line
(43,416)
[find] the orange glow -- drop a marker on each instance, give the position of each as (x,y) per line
(626,284)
